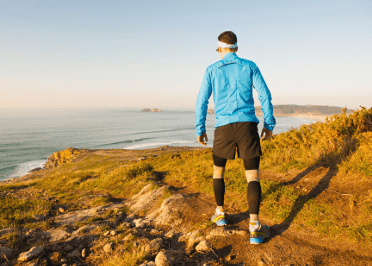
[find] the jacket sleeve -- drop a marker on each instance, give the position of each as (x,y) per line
(264,96)
(202,104)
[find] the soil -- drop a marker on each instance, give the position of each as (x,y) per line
(286,245)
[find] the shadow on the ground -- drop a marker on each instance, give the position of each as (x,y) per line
(330,161)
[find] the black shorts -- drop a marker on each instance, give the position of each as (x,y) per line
(241,137)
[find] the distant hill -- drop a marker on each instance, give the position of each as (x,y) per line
(305,110)
(311,110)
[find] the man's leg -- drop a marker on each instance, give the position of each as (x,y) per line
(258,232)
(219,189)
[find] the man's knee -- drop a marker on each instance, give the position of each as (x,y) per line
(252,175)
(218,172)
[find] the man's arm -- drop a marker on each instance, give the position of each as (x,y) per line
(202,106)
(264,96)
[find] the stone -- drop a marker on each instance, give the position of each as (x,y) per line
(68,247)
(163,258)
(40,217)
(113,232)
(55,256)
(31,254)
(57,234)
(6,231)
(241,232)
(109,247)
(84,253)
(125,224)
(61,209)
(106,233)
(203,246)
(140,222)
(64,260)
(73,254)
(171,210)
(220,231)
(148,263)
(154,245)
(170,234)
(5,251)
(65,264)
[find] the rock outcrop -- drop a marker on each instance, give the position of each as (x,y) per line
(61,157)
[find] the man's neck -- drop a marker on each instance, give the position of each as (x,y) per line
(225,53)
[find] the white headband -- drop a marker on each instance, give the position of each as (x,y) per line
(225,45)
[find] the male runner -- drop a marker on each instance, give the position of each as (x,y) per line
(231,80)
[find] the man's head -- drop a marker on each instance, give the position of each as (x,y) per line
(227,38)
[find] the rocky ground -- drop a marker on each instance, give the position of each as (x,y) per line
(168,222)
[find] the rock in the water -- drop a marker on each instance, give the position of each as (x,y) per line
(163,259)
(32,253)
(5,251)
(109,247)
(203,246)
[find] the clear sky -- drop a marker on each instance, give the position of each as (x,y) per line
(154,53)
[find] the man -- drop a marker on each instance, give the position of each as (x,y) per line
(231,80)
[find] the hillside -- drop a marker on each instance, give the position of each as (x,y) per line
(152,207)
(310,110)
(301,110)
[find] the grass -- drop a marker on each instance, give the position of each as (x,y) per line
(16,212)
(342,143)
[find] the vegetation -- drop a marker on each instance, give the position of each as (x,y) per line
(340,148)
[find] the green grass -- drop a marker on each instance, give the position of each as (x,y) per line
(15,212)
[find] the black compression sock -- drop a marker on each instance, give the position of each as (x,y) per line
(219,190)
(254,197)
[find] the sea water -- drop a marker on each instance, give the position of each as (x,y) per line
(28,137)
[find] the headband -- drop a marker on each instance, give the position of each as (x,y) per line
(225,45)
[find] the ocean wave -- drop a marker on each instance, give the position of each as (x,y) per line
(25,168)
(157,144)
(126,141)
(166,130)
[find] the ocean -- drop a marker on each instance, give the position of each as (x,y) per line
(29,136)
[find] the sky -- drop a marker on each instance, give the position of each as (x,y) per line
(136,54)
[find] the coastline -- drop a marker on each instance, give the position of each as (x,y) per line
(307,116)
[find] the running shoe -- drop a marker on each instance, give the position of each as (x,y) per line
(257,236)
(219,218)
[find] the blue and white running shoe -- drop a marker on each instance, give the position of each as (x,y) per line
(219,218)
(257,236)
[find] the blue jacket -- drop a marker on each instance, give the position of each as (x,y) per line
(231,80)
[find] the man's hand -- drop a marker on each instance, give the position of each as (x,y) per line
(268,134)
(201,139)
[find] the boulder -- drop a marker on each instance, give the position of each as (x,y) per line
(31,254)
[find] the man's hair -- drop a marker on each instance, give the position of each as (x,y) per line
(228,37)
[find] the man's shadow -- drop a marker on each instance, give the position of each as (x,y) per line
(329,161)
